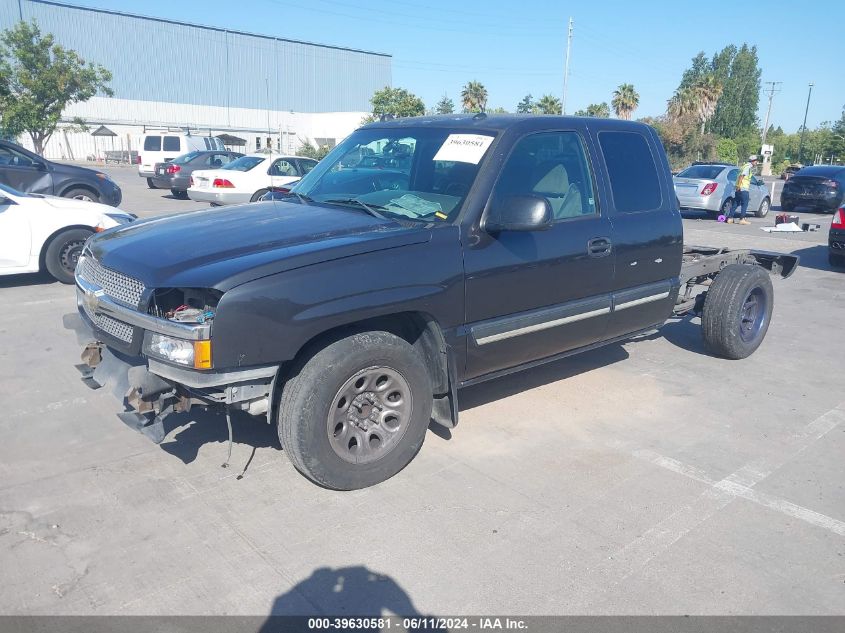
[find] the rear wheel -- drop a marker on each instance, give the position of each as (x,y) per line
(151,184)
(726,207)
(763,211)
(81,194)
(737,311)
(178,193)
(63,252)
(356,412)
(836,260)
(257,195)
(786,206)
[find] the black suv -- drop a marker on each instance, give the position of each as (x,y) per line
(22,170)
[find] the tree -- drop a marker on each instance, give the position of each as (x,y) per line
(526,106)
(39,79)
(597,110)
(308,150)
(727,151)
(474,97)
(700,67)
(497,110)
(697,99)
(548,104)
(445,105)
(736,111)
(396,102)
(625,101)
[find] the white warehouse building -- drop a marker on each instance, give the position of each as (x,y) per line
(265,91)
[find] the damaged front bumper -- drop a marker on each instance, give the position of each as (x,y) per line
(151,390)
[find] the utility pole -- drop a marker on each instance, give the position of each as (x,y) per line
(566,67)
(804,127)
(772,93)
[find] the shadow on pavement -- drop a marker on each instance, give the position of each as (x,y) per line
(343,592)
(816,257)
(682,332)
(484,393)
(206,426)
(27,279)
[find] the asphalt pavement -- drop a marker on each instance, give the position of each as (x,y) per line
(642,478)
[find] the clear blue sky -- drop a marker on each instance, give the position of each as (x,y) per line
(517,46)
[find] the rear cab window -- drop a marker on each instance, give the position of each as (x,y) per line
(152,144)
(171,144)
(634,181)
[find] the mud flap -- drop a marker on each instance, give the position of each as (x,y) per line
(152,427)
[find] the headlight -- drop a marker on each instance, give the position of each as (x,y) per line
(120,218)
(196,354)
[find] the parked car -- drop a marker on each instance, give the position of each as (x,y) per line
(162,147)
(176,174)
(247,178)
(47,232)
(836,239)
(350,315)
(790,171)
(820,187)
(710,187)
(27,172)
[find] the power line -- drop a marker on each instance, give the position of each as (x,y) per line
(773,90)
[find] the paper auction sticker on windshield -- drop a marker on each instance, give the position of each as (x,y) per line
(464,148)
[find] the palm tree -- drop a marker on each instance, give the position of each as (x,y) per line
(474,97)
(548,104)
(697,100)
(625,101)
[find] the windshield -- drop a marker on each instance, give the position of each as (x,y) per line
(185,158)
(702,171)
(244,163)
(421,174)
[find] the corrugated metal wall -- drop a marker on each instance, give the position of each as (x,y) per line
(157,60)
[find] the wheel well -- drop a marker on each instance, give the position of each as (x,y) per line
(85,187)
(418,329)
(43,255)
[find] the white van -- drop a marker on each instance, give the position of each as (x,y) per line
(162,146)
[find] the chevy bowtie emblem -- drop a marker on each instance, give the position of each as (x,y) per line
(91,300)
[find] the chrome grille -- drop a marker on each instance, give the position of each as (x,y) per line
(118,286)
(116,328)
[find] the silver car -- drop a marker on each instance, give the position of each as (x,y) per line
(710,187)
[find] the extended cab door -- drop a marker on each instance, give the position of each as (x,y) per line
(534,294)
(647,228)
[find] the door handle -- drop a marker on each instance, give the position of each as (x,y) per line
(599,247)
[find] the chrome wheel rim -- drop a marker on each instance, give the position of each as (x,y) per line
(84,197)
(370,414)
(764,208)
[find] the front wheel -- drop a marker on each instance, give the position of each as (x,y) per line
(737,311)
(82,194)
(63,252)
(355,413)
(763,211)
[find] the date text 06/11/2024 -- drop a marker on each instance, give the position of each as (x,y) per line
(418,623)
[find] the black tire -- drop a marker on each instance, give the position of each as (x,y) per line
(178,193)
(257,195)
(726,207)
(835,260)
(737,311)
(151,184)
(786,206)
(314,399)
(763,211)
(81,194)
(63,252)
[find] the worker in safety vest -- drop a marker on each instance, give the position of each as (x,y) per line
(743,184)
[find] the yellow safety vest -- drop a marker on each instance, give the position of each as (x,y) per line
(743,181)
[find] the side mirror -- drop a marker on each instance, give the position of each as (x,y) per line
(519,213)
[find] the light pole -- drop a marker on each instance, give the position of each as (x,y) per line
(804,127)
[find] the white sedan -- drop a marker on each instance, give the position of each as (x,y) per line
(247,178)
(38,231)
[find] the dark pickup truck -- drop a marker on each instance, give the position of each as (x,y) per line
(350,314)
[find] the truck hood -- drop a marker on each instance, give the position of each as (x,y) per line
(227,246)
